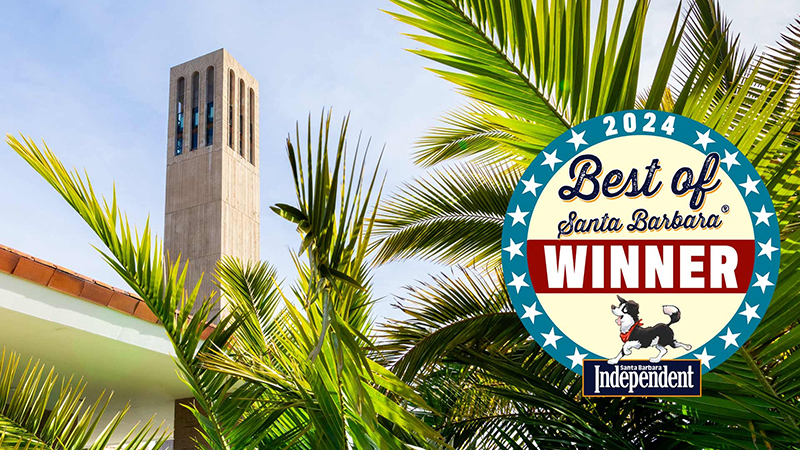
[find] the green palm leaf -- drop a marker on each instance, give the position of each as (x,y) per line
(526,68)
(36,414)
(309,352)
(754,395)
(139,260)
(471,133)
(538,65)
(449,312)
(467,350)
(222,409)
(751,400)
(274,372)
(452,215)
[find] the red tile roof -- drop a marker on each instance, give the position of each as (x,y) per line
(64,280)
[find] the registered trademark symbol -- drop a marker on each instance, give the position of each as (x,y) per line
(725,209)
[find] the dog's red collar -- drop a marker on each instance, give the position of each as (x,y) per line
(625,336)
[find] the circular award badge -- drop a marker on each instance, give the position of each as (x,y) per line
(640,249)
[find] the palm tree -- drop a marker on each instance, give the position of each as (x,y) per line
(281,368)
(26,422)
(530,72)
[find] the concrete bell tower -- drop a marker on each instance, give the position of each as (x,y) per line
(212,195)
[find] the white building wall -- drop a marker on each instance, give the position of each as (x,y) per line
(112,351)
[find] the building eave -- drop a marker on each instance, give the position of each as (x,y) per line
(52,276)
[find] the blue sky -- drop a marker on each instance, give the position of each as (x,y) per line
(91,79)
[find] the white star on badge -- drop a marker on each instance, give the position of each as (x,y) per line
(550,159)
(531,312)
(551,338)
(513,249)
(704,357)
(750,312)
(763,282)
(703,139)
(518,282)
(577,357)
(730,159)
(531,186)
(577,139)
(749,186)
(730,338)
(519,216)
(762,216)
(767,249)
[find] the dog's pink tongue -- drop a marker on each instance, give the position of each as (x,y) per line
(619,320)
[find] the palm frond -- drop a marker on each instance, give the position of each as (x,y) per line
(253,381)
(465,348)
(471,133)
(38,414)
(331,212)
(754,395)
(755,106)
(781,63)
(710,46)
(139,260)
(449,312)
(454,215)
(541,65)
(253,297)
(751,400)
(311,358)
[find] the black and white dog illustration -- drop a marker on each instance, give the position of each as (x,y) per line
(634,335)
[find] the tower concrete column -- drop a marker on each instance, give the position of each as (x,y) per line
(212,193)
